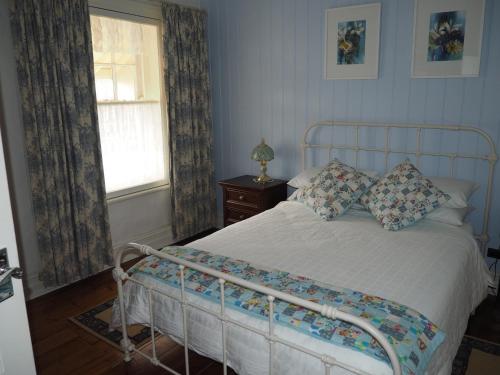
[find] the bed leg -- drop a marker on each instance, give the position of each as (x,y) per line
(125,343)
(126,353)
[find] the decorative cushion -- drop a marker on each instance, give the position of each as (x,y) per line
(332,191)
(304,177)
(402,197)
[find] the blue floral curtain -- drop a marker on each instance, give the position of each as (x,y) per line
(52,40)
(187,86)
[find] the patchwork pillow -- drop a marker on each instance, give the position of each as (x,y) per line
(402,197)
(332,191)
(304,177)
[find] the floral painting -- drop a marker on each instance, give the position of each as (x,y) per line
(351,42)
(446,36)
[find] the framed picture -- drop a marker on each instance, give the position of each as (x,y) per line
(447,38)
(352,42)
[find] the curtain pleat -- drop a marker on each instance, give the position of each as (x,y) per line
(187,86)
(53,45)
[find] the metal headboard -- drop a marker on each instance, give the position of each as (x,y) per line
(491,157)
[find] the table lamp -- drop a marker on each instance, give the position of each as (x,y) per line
(263,153)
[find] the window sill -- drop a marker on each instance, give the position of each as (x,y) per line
(137,194)
(130,102)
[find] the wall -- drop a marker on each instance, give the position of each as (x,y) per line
(267,77)
(143,218)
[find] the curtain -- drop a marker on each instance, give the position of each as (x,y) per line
(187,86)
(132,144)
(116,36)
(53,48)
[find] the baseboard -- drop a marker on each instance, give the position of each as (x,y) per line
(33,287)
(157,238)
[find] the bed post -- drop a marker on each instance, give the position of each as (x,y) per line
(484,238)
(119,275)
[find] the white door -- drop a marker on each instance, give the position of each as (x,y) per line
(16,353)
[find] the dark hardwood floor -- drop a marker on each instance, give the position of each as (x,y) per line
(61,347)
(485,323)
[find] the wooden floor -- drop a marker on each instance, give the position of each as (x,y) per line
(61,347)
(485,323)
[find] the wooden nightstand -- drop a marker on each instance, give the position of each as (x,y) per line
(244,198)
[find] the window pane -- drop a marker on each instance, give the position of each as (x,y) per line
(125,82)
(104,83)
(132,144)
(103,57)
(124,58)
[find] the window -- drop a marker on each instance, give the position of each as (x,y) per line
(129,102)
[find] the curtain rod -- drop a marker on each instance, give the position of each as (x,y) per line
(160,2)
(149,2)
(121,12)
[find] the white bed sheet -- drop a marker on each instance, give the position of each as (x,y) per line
(435,268)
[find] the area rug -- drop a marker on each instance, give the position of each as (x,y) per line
(96,321)
(474,357)
(477,357)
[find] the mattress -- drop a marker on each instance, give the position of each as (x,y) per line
(434,268)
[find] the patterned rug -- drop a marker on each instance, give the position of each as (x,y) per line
(477,357)
(96,321)
(474,357)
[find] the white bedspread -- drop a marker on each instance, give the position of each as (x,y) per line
(431,267)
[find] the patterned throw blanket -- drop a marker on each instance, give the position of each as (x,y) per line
(412,335)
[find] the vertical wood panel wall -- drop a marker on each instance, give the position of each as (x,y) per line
(267,75)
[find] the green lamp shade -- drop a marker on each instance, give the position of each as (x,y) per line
(262,152)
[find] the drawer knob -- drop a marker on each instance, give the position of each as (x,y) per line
(242,217)
(241,197)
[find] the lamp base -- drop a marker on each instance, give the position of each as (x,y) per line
(263,179)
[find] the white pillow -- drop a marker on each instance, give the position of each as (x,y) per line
(304,177)
(453,216)
(458,190)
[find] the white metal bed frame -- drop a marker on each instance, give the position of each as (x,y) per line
(491,156)
(328,361)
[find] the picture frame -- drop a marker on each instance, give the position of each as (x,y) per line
(447,38)
(352,38)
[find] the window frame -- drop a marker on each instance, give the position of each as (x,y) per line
(113,67)
(134,191)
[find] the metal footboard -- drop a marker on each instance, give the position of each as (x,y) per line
(328,361)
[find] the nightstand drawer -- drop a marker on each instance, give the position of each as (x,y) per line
(242,197)
(233,215)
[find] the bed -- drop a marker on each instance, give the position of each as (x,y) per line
(436,269)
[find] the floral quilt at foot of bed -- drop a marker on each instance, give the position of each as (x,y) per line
(412,335)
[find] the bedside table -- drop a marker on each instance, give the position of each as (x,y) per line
(244,198)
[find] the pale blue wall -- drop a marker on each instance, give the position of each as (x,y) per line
(267,67)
